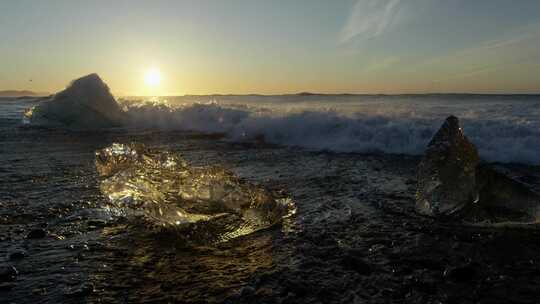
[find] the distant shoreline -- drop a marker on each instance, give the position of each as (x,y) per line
(27,93)
(309,94)
(22,93)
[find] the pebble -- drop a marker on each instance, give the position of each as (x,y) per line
(357,264)
(247,291)
(95,224)
(461,273)
(84,289)
(36,234)
(8,273)
(7,286)
(17,254)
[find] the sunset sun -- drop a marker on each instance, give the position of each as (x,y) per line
(152,77)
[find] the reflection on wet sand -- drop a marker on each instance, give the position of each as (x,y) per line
(167,271)
(359,238)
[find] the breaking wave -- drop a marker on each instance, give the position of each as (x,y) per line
(503,128)
(502,132)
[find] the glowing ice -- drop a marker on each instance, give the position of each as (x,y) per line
(171,193)
(450,179)
(447,172)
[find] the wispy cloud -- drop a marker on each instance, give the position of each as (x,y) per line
(490,56)
(518,37)
(382,64)
(369,19)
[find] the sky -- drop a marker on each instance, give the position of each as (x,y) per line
(273,47)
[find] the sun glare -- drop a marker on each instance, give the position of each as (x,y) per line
(152,77)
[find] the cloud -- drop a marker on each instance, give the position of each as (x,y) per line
(515,48)
(382,64)
(369,19)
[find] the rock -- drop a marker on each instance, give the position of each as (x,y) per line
(87,103)
(247,291)
(17,254)
(264,292)
(36,234)
(82,290)
(97,223)
(463,273)
(8,273)
(7,286)
(356,263)
(447,172)
(297,286)
(450,179)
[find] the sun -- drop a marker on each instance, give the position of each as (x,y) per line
(152,77)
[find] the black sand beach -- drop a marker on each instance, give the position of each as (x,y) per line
(355,237)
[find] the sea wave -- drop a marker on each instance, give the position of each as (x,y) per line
(500,134)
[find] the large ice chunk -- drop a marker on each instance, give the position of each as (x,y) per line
(86,103)
(504,199)
(447,172)
(171,193)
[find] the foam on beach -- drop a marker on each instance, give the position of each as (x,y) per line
(504,128)
(502,131)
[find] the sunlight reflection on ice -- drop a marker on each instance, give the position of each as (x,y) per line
(171,193)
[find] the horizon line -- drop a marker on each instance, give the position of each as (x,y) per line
(330,94)
(303,93)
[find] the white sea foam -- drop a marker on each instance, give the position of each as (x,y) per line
(504,128)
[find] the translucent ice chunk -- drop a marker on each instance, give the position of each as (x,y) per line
(171,193)
(447,172)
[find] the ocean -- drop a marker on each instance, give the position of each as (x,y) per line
(505,128)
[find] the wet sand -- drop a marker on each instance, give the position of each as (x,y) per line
(355,238)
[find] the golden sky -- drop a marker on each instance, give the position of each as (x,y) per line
(273,47)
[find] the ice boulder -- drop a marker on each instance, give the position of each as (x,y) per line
(447,172)
(504,199)
(207,204)
(86,103)
(451,181)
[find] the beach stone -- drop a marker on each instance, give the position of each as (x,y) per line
(17,254)
(8,273)
(247,291)
(36,234)
(81,290)
(97,223)
(447,172)
(462,273)
(353,262)
(7,286)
